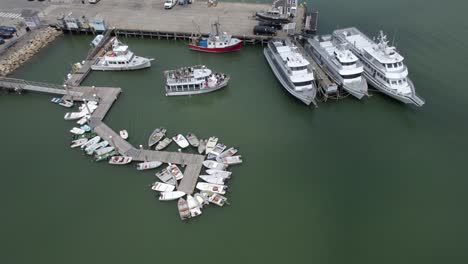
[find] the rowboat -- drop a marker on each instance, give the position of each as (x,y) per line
(85,135)
(91,142)
(181,141)
(157,134)
(214,198)
(74,115)
(231,160)
(163,143)
(194,206)
(83,120)
(103,151)
(66,103)
(213,179)
(120,160)
(220,147)
(162,187)
(86,128)
(77,131)
(148,165)
(183,208)
(167,196)
(78,142)
(175,171)
(91,149)
(210,164)
(123,134)
(166,177)
(106,155)
(227,153)
(193,140)
(202,146)
(219,172)
(216,188)
(211,144)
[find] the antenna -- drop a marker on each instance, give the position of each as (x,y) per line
(394,35)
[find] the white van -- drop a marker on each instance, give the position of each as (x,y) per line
(168,4)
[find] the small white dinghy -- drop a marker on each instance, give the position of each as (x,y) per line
(120,160)
(91,149)
(163,143)
(220,147)
(148,165)
(66,103)
(91,142)
(162,187)
(123,134)
(218,172)
(212,141)
(215,198)
(216,188)
(194,206)
(213,179)
(232,160)
(202,146)
(211,164)
(175,171)
(193,140)
(77,131)
(202,200)
(227,153)
(103,151)
(78,142)
(166,177)
(83,120)
(181,141)
(167,196)
(74,115)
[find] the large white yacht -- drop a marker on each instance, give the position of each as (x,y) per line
(339,63)
(383,65)
(120,58)
(291,69)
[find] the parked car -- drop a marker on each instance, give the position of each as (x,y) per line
(6,34)
(7,28)
(264,30)
(93,1)
(168,4)
(2,41)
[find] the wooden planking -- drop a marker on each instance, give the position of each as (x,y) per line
(191,173)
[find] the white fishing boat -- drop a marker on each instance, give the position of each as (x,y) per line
(175,171)
(183,208)
(148,165)
(215,198)
(193,140)
(162,187)
(168,196)
(218,172)
(83,120)
(232,160)
(163,143)
(120,58)
(123,134)
(194,206)
(227,153)
(216,188)
(103,151)
(74,115)
(212,141)
(77,131)
(202,146)
(220,147)
(120,160)
(92,141)
(66,103)
(91,149)
(78,142)
(157,135)
(166,177)
(211,164)
(181,141)
(215,179)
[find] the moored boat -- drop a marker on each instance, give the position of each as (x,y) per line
(103,151)
(175,171)
(168,196)
(193,140)
(77,131)
(220,147)
(66,103)
(166,177)
(83,120)
(194,206)
(202,200)
(215,198)
(216,42)
(123,134)
(215,179)
(74,115)
(157,135)
(231,160)
(218,172)
(181,141)
(148,165)
(216,188)
(202,146)
(194,80)
(163,143)
(162,187)
(78,142)
(86,128)
(227,153)
(211,144)
(183,208)
(91,149)
(85,135)
(91,142)
(211,164)
(120,160)
(105,156)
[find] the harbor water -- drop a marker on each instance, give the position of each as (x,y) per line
(371,181)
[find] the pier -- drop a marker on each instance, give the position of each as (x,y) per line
(106,96)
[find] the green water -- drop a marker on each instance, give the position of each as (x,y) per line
(370,181)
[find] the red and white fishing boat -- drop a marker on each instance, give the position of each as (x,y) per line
(215,42)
